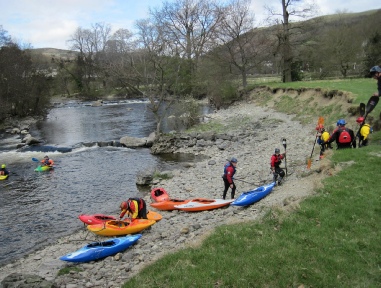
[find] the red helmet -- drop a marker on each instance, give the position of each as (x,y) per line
(360,120)
(319,127)
(123,205)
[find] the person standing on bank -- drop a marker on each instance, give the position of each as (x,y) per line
(229,171)
(364,132)
(276,160)
(375,73)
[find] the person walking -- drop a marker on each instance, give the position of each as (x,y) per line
(275,161)
(344,137)
(364,132)
(375,73)
(229,171)
(136,208)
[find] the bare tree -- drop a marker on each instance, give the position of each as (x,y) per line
(286,32)
(241,46)
(189,27)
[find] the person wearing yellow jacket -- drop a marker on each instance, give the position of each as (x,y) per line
(364,131)
(323,137)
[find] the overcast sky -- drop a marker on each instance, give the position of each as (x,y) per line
(50,23)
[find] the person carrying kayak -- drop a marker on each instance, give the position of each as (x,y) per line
(47,162)
(275,161)
(364,132)
(344,137)
(136,208)
(229,171)
(3,170)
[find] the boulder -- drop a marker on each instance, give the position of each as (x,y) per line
(133,142)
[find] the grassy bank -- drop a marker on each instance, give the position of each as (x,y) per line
(332,240)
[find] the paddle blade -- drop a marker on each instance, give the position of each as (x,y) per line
(362,109)
(309,163)
(35,160)
(371,104)
(321,120)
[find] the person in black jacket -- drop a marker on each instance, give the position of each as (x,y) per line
(375,72)
(344,137)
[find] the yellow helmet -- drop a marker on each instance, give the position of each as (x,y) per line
(3,166)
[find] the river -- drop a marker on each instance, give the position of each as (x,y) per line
(39,207)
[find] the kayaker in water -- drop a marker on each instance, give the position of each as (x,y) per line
(229,171)
(47,162)
(134,207)
(276,160)
(3,170)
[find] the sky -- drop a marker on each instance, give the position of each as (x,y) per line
(50,23)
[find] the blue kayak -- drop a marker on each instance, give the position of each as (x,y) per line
(99,250)
(253,196)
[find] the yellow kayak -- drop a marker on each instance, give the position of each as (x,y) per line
(120,227)
(3,177)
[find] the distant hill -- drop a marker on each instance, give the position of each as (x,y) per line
(56,53)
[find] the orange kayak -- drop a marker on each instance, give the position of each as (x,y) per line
(159,194)
(169,204)
(120,227)
(202,204)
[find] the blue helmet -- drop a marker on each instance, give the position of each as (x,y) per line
(341,122)
(233,160)
(375,69)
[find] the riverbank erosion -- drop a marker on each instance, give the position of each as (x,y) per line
(254,132)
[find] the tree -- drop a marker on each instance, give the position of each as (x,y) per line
(23,90)
(91,44)
(285,32)
(189,27)
(241,47)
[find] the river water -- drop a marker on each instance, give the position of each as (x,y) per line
(36,208)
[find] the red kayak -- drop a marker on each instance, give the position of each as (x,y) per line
(95,218)
(101,218)
(159,194)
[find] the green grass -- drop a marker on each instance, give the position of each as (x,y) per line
(333,240)
(362,88)
(67,270)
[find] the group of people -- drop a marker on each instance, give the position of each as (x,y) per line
(342,135)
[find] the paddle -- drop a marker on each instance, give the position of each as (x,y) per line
(35,160)
(372,102)
(244,181)
(362,109)
(285,159)
(320,121)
